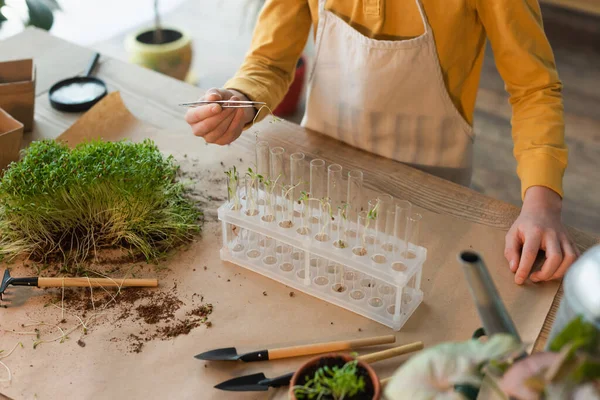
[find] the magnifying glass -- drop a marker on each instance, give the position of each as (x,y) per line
(79,93)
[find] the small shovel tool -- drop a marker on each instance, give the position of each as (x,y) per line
(259,382)
(73,282)
(231,354)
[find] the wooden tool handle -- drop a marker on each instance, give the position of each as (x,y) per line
(96,282)
(384,382)
(318,348)
(394,352)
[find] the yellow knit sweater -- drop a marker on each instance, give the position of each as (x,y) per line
(460,27)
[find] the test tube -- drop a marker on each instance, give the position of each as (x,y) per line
(262,167)
(411,237)
(269,206)
(323,234)
(269,253)
(286,264)
(352,278)
(389,241)
(233,195)
(372,222)
(238,243)
(298,174)
(335,191)
(304,228)
(354,198)
(321,275)
(253,246)
(360,248)
(278,172)
(318,179)
(338,286)
(386,202)
(287,207)
(251,195)
(341,241)
(403,211)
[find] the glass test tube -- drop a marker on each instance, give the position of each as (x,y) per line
(403,211)
(386,202)
(269,205)
(411,237)
(335,188)
(318,179)
(390,223)
(323,234)
(251,195)
(360,247)
(278,172)
(262,166)
(372,222)
(286,219)
(254,250)
(238,244)
(354,199)
(304,228)
(341,241)
(298,175)
(338,287)
(269,252)
(233,192)
(286,264)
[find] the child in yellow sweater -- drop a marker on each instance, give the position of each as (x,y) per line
(399,79)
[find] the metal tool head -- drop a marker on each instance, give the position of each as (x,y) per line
(224,354)
(247,383)
(6,280)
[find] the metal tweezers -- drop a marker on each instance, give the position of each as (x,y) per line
(225,103)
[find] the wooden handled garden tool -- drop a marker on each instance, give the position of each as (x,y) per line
(259,382)
(73,282)
(230,353)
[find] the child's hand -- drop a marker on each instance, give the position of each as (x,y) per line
(539,227)
(216,124)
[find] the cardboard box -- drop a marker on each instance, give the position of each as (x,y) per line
(11,136)
(17,90)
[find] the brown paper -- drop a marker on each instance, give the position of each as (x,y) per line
(11,136)
(17,90)
(251,312)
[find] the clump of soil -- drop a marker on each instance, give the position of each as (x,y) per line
(154,310)
(286,224)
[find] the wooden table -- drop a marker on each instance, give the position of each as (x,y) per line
(154,97)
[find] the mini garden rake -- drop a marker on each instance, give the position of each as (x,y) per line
(72,282)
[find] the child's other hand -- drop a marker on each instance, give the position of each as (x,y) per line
(216,124)
(539,227)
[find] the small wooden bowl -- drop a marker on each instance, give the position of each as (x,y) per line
(311,365)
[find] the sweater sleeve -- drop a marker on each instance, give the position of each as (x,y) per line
(525,60)
(279,39)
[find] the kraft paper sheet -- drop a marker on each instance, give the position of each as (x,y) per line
(243,316)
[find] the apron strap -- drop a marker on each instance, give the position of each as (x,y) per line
(321,7)
(423,16)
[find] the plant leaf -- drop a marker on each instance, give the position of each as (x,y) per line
(581,334)
(40,15)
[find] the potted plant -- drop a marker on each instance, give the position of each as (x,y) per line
(40,13)
(163,49)
(335,377)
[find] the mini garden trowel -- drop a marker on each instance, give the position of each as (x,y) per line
(73,282)
(231,354)
(259,382)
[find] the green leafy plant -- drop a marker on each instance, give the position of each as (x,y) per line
(67,204)
(232,185)
(336,382)
(252,195)
(40,13)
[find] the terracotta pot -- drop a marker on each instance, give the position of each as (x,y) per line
(173,57)
(314,362)
(11,136)
(290,102)
(17,90)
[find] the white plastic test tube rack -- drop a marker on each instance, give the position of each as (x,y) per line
(370,269)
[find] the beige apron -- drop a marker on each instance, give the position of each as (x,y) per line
(387,97)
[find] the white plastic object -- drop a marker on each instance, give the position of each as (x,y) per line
(373,287)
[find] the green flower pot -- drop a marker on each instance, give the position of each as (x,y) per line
(172,56)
